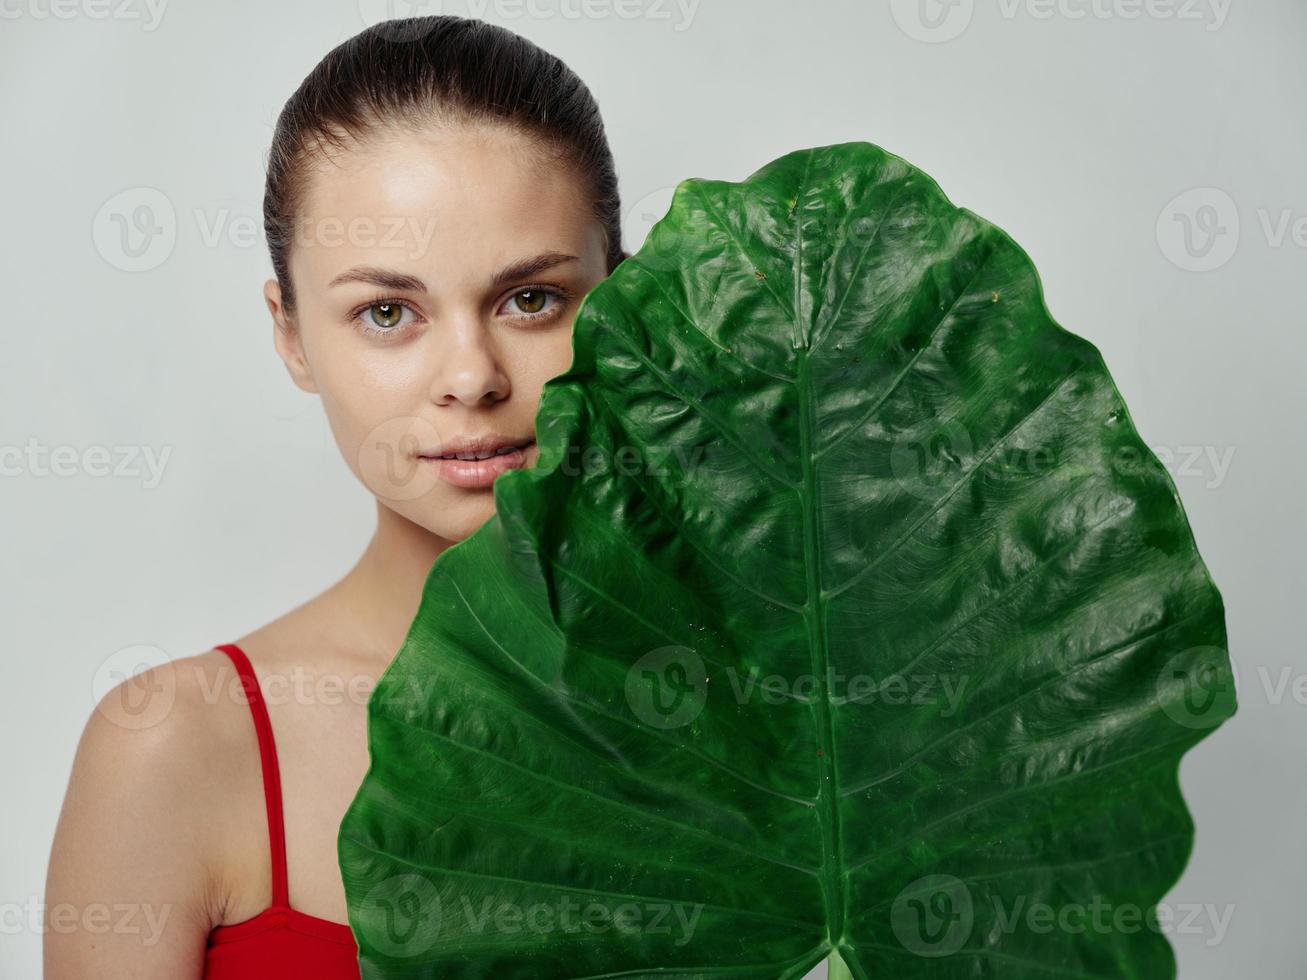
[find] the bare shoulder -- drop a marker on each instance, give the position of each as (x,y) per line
(170,724)
(144,817)
(158,734)
(162,743)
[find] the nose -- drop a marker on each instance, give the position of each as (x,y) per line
(468,367)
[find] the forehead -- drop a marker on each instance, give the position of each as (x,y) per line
(466,196)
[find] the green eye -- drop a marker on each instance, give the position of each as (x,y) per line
(386,315)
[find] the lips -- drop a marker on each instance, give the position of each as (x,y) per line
(474,464)
(484,454)
(483,447)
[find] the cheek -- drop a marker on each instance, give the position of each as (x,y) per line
(373,402)
(546,357)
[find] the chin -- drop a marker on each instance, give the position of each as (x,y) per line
(452,520)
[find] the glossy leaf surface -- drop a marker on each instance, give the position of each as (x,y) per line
(845,611)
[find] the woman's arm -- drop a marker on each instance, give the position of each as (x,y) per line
(128,891)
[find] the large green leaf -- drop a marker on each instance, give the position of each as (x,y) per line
(845,615)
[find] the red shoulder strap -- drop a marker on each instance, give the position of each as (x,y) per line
(271,776)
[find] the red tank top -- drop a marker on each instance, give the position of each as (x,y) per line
(280,943)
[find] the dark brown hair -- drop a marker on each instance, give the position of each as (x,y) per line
(414,71)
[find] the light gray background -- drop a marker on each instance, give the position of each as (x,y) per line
(1090,130)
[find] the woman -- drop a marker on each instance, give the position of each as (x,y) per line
(440,196)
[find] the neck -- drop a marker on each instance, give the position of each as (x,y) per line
(381,593)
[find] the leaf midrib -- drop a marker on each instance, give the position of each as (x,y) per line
(833,881)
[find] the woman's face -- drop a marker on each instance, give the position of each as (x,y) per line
(436,280)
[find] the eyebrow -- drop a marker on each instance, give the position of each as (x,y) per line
(388,279)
